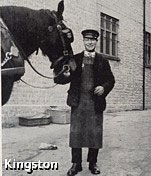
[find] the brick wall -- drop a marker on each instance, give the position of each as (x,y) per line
(127,93)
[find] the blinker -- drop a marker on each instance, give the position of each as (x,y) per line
(68,33)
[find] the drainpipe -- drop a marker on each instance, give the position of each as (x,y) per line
(144,41)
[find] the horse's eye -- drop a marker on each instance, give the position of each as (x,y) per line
(50,28)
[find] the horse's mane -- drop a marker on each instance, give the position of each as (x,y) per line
(26,17)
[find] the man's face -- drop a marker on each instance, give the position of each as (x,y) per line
(89,44)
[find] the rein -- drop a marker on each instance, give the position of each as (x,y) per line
(37,71)
(37,86)
(65,54)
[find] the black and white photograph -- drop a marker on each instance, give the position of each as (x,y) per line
(75,87)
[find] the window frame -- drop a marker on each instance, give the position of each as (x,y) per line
(106,28)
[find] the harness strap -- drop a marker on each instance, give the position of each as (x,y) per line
(65,51)
(11,53)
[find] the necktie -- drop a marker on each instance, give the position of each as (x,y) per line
(89,54)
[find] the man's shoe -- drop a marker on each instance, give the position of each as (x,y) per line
(94,168)
(74,169)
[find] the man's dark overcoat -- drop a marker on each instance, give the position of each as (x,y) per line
(102,76)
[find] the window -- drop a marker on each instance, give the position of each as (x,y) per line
(109,35)
(148,48)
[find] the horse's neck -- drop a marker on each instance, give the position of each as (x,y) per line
(22,26)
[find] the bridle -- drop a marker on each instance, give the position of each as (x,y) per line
(65,51)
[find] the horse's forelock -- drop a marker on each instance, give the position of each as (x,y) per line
(58,15)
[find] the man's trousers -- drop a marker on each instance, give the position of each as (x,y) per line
(77,155)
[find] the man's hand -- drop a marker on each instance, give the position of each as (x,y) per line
(99,90)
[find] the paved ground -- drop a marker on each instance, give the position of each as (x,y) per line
(126,151)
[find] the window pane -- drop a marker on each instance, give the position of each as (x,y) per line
(108,22)
(148,48)
(102,22)
(145,37)
(102,40)
(148,38)
(113,44)
(107,42)
(149,55)
(114,25)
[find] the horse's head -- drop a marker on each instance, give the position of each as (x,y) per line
(56,37)
(44,29)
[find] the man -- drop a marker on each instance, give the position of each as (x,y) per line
(91,81)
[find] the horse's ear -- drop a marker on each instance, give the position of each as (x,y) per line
(60,7)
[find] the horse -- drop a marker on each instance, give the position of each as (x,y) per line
(32,30)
